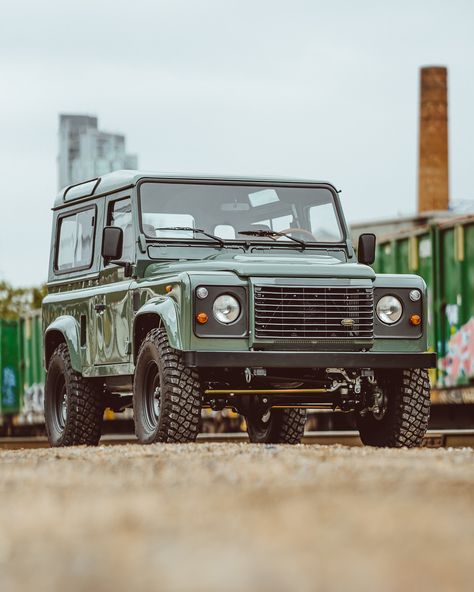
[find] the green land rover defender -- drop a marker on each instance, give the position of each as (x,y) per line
(173,293)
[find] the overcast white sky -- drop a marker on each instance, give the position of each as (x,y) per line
(326,90)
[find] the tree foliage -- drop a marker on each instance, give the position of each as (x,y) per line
(15,302)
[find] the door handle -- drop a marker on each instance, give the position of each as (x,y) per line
(99,307)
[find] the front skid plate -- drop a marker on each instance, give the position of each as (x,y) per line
(273,359)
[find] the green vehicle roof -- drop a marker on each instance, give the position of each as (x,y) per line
(128,178)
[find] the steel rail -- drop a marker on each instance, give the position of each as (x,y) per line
(433,439)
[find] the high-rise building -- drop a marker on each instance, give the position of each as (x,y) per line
(85,152)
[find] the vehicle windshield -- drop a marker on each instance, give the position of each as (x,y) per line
(171,210)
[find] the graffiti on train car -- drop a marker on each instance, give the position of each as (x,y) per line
(458,363)
(8,387)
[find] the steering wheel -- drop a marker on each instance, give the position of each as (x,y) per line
(307,233)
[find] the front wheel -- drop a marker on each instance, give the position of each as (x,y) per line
(275,426)
(73,405)
(402,418)
(166,394)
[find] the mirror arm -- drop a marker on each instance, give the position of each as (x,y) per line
(127,266)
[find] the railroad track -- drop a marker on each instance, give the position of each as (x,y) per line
(433,439)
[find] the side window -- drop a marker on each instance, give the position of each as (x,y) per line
(75,244)
(120,214)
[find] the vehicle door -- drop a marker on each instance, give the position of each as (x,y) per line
(74,272)
(113,303)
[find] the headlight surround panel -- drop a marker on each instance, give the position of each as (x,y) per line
(214,328)
(401,328)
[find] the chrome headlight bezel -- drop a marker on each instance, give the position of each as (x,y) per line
(389,302)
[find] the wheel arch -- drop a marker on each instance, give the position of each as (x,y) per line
(64,329)
(157,313)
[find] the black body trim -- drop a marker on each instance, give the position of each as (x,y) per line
(272,359)
(213,328)
(402,328)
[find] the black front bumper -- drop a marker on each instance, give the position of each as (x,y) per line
(276,359)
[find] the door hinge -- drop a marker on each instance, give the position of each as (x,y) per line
(136,300)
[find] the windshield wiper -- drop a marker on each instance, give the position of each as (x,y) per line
(272,233)
(196,230)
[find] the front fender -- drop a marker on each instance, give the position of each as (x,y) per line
(67,327)
(161,311)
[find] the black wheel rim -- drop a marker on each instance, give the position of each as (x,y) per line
(59,403)
(152,396)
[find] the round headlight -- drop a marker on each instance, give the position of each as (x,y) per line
(389,309)
(226,309)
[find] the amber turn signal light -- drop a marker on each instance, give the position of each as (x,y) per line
(169,287)
(201,318)
(415,320)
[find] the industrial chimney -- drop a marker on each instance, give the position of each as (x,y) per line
(433,173)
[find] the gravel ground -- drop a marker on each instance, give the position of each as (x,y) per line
(231,517)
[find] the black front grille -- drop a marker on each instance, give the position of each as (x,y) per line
(314,312)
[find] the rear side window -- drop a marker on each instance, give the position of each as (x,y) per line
(75,242)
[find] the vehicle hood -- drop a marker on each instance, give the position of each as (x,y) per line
(254,265)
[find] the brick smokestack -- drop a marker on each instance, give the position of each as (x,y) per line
(433,168)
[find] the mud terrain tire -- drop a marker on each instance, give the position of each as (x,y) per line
(166,395)
(282,426)
(73,405)
(407,412)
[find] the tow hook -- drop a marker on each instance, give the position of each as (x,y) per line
(250,373)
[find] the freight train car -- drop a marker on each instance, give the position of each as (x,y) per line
(21,372)
(10,373)
(32,369)
(442,252)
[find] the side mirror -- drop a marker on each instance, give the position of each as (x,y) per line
(112,243)
(366,249)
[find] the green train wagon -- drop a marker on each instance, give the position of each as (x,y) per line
(443,254)
(10,369)
(32,371)
(21,370)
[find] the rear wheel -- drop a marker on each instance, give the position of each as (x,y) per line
(403,410)
(166,394)
(73,405)
(276,426)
